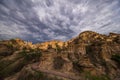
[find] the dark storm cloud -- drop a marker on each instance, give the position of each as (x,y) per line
(40,20)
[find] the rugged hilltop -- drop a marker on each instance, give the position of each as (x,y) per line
(89,56)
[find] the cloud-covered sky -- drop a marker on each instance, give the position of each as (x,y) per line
(42,20)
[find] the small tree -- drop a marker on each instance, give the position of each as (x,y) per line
(63,47)
(58,49)
(49,46)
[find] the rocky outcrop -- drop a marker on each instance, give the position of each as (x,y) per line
(91,55)
(92,52)
(51,44)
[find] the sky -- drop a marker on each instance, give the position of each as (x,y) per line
(43,20)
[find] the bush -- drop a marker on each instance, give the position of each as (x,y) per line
(10,45)
(49,46)
(29,56)
(58,49)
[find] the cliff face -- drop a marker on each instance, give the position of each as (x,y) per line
(89,56)
(93,52)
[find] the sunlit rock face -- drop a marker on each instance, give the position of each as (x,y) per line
(38,20)
(52,44)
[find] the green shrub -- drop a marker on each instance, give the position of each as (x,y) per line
(29,56)
(13,41)
(10,45)
(58,49)
(49,46)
